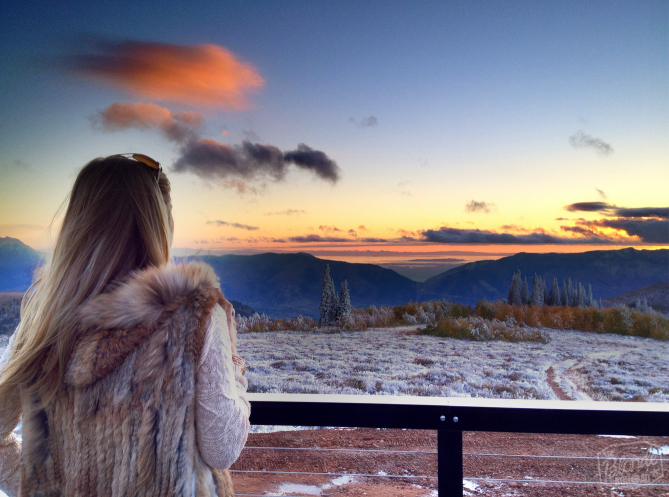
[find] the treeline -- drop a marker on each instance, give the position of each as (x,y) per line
(571,294)
(486,321)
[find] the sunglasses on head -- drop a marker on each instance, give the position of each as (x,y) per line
(145,159)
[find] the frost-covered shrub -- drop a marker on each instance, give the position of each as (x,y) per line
(479,329)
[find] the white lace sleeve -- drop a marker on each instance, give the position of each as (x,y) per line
(10,447)
(221,409)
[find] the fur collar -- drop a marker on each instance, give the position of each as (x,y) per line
(115,322)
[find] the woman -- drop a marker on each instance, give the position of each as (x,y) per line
(123,367)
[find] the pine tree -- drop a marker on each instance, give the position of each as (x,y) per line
(573,302)
(565,294)
(525,294)
(590,299)
(537,297)
(345,307)
(515,289)
(554,297)
(580,296)
(328,298)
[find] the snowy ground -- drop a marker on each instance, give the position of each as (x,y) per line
(396,361)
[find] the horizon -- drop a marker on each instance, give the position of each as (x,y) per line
(427,129)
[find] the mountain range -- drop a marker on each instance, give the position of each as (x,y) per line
(285,285)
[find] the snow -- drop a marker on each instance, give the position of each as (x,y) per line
(660,451)
(394,361)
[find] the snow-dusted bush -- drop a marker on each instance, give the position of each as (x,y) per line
(479,329)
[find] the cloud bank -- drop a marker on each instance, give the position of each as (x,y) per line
(476,236)
(206,75)
(583,140)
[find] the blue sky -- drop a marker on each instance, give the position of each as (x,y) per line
(472,101)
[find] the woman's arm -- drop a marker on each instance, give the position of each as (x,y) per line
(221,409)
(10,448)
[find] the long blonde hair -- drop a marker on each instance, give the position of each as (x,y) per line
(118,220)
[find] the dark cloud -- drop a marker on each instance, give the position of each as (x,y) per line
(474,206)
(588,207)
(661,212)
(211,159)
(328,229)
(648,230)
(580,231)
(365,122)
(601,193)
(233,225)
(583,140)
(561,219)
(353,233)
(467,236)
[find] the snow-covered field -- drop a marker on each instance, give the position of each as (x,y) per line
(396,361)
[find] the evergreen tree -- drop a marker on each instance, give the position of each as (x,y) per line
(554,297)
(573,302)
(537,297)
(525,293)
(345,307)
(580,296)
(515,289)
(590,299)
(565,294)
(328,298)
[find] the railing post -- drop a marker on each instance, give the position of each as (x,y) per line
(449,463)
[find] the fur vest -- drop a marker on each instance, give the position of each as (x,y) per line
(124,422)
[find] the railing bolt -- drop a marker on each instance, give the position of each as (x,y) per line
(455,419)
(443,418)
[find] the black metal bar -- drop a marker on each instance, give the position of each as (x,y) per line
(449,457)
(428,417)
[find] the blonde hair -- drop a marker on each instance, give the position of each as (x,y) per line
(118,220)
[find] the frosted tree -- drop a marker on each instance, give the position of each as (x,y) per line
(590,299)
(537,297)
(515,289)
(565,294)
(525,293)
(580,296)
(328,303)
(554,297)
(344,309)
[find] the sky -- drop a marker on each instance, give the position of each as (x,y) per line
(351,130)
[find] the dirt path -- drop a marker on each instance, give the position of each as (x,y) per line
(553,384)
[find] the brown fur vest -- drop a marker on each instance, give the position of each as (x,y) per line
(124,422)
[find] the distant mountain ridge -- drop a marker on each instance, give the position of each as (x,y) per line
(611,272)
(285,285)
(657,296)
(17,264)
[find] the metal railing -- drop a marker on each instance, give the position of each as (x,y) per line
(450,417)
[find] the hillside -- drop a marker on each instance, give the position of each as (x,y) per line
(656,295)
(17,264)
(285,285)
(611,272)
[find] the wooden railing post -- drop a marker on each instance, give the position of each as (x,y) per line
(449,463)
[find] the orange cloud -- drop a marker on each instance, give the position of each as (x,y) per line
(177,126)
(207,75)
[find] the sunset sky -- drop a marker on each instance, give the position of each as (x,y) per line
(437,128)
